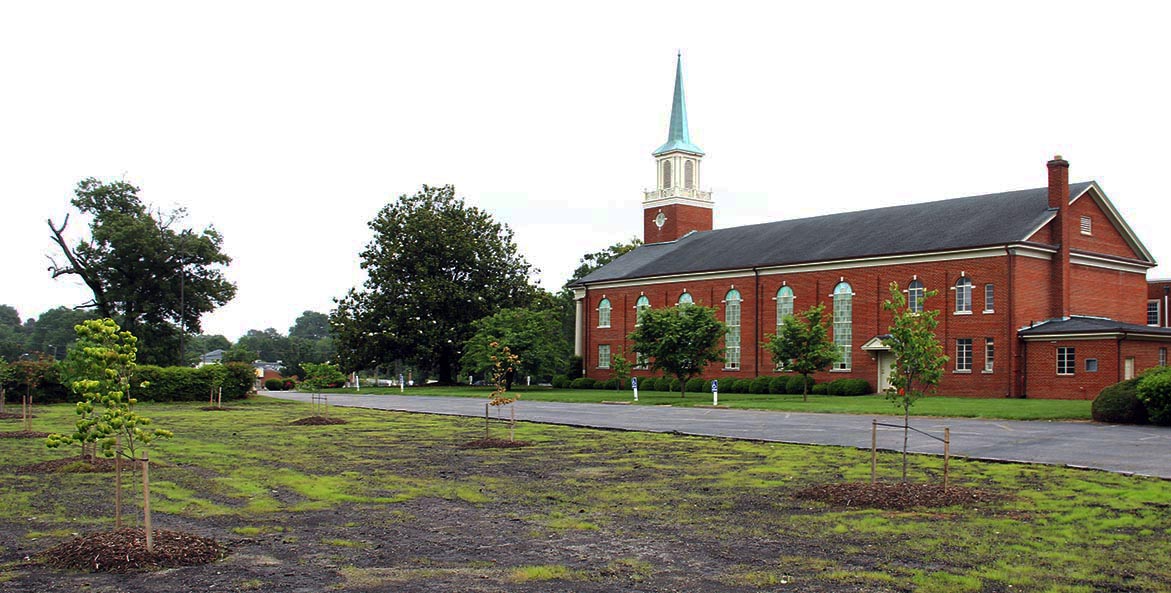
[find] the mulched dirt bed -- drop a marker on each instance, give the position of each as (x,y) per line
(894,496)
(494,444)
(318,421)
(76,464)
(124,550)
(11,416)
(218,409)
(23,434)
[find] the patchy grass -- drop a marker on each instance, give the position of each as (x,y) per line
(942,406)
(600,509)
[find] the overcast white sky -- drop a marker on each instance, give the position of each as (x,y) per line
(288,125)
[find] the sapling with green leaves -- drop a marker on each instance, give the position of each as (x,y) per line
(620,367)
(679,341)
(504,365)
(103,360)
(918,356)
(803,345)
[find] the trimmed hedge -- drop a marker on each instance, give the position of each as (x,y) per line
(274,384)
(611,384)
(1119,403)
(696,385)
(674,385)
(560,382)
(796,385)
(180,384)
(583,383)
(759,385)
(819,389)
(778,385)
(742,386)
(848,387)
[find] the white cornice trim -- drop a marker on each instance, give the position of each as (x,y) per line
(579,294)
(1116,219)
(1033,251)
(677,200)
(1083,259)
(1095,336)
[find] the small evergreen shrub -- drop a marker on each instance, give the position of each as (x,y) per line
(560,382)
(1154,391)
(818,389)
(742,386)
(759,385)
(674,385)
(796,385)
(778,385)
(1119,403)
(850,387)
(274,384)
(724,385)
(611,384)
(696,385)
(583,383)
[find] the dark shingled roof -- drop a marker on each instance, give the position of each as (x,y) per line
(993,219)
(1090,325)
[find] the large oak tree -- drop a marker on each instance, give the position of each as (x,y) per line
(435,265)
(143,271)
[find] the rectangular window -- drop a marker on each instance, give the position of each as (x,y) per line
(640,361)
(1153,312)
(1091,365)
(964,355)
(1162,357)
(989,354)
(1087,225)
(1066,361)
(603,356)
(989,298)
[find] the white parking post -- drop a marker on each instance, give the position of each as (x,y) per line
(634,386)
(401,385)
(715,392)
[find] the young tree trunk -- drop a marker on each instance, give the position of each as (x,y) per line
(906,430)
(28,410)
(118,482)
(682,387)
(805,388)
(3,398)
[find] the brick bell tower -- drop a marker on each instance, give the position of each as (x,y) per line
(677,206)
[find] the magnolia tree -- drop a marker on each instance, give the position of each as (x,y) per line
(803,346)
(103,360)
(918,355)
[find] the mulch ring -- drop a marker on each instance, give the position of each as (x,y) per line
(218,409)
(894,495)
(494,444)
(73,465)
(318,421)
(124,550)
(23,434)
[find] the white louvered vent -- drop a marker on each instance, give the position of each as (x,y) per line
(1087,225)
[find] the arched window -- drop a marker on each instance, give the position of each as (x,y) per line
(685,298)
(642,304)
(843,323)
(964,295)
(667,174)
(689,174)
(732,335)
(915,292)
(604,313)
(784,305)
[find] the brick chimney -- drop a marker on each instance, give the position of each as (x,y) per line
(1061,225)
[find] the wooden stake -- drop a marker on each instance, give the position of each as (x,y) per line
(150,542)
(873,451)
(946,453)
(486,420)
(118,482)
(219,400)
(512,424)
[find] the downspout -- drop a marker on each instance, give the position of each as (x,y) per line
(1166,317)
(756,322)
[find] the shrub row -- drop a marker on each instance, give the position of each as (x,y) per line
(274,384)
(788,384)
(180,384)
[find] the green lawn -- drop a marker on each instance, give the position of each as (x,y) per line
(957,407)
(390,502)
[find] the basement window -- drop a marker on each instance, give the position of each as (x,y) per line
(1087,225)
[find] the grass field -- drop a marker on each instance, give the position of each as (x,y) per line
(957,407)
(390,502)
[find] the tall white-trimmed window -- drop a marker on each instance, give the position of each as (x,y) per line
(689,174)
(667,174)
(1153,312)
(784,305)
(989,298)
(1162,357)
(843,323)
(963,289)
(915,294)
(603,356)
(604,313)
(732,335)
(685,298)
(989,355)
(964,355)
(1066,360)
(642,304)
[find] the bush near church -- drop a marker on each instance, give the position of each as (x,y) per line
(1119,404)
(1154,391)
(848,387)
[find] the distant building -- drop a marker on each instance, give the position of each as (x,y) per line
(213,357)
(1043,291)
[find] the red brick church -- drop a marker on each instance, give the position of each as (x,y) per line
(1043,291)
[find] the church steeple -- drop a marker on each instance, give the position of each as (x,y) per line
(677,206)
(678,136)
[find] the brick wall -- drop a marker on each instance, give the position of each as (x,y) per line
(1043,382)
(681,219)
(1104,238)
(1157,290)
(1099,292)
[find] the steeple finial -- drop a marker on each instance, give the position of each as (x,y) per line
(678,136)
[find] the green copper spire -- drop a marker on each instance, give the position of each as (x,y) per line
(678,138)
